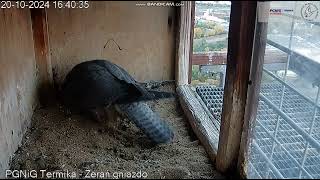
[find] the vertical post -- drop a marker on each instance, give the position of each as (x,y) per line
(240,44)
(193,11)
(183,43)
(260,41)
(41,49)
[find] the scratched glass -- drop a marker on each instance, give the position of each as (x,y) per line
(210,44)
(285,140)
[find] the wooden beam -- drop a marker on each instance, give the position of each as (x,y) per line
(260,42)
(41,49)
(183,43)
(193,11)
(240,43)
(271,57)
(203,125)
(207,59)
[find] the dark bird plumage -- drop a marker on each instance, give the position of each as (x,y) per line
(100,83)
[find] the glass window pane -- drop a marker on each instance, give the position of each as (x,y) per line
(210,42)
(209,57)
(286,135)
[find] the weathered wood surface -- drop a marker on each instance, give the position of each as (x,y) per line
(41,50)
(183,43)
(221,58)
(259,51)
(141,39)
(205,128)
(241,35)
(193,10)
(18,81)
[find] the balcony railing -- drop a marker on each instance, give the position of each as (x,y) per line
(221,58)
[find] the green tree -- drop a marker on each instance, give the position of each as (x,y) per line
(198,33)
(211,32)
(199,45)
(219,29)
(211,25)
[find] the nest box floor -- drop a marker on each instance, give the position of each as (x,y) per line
(57,143)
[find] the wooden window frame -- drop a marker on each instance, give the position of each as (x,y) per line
(247,31)
(185,14)
(239,57)
(41,51)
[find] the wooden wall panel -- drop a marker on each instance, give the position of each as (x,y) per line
(18,80)
(145,35)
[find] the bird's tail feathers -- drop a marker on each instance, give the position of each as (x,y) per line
(157,129)
(154,95)
(161,94)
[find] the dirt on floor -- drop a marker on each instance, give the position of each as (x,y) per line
(77,146)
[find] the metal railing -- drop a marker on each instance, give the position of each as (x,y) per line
(286,141)
(291,139)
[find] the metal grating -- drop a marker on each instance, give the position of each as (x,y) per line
(288,154)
